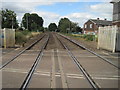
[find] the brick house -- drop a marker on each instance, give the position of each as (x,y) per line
(92,25)
(116,12)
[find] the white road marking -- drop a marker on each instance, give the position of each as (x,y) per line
(68,75)
(14,70)
(29,54)
(109,55)
(53,79)
(106,53)
(35,50)
(76,56)
(17,48)
(63,77)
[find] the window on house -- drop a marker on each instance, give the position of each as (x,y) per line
(85,26)
(91,25)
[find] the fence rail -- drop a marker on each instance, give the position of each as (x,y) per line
(109,38)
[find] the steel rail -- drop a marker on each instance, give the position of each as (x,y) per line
(103,58)
(37,60)
(87,76)
(31,45)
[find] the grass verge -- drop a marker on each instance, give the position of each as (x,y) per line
(86,37)
(21,37)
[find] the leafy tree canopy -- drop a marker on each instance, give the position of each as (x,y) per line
(32,21)
(64,25)
(67,26)
(9,19)
(52,27)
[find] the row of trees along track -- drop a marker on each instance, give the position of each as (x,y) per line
(32,22)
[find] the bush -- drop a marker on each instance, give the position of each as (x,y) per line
(84,36)
(20,38)
(89,37)
(27,33)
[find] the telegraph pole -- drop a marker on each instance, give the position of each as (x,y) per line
(70,26)
(1,19)
(27,21)
(0,29)
(12,23)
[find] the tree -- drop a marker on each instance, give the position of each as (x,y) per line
(75,27)
(52,27)
(41,29)
(78,29)
(64,25)
(26,22)
(9,19)
(45,29)
(32,21)
(37,19)
(33,26)
(67,26)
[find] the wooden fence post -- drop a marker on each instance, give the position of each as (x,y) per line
(114,28)
(4,32)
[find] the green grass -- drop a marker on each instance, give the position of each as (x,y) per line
(84,36)
(89,37)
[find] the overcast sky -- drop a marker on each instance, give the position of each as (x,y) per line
(52,10)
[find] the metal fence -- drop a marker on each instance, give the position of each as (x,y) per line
(109,38)
(7,37)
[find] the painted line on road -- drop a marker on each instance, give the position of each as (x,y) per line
(109,55)
(14,70)
(17,48)
(53,79)
(63,77)
(34,50)
(29,54)
(77,76)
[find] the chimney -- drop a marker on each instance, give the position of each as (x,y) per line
(98,18)
(105,19)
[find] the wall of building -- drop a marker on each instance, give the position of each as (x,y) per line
(7,37)
(116,13)
(89,29)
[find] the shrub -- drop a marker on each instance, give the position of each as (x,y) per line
(20,38)
(28,34)
(89,37)
(25,32)
(84,36)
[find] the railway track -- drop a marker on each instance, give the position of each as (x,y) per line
(81,46)
(21,52)
(56,68)
(88,77)
(30,73)
(60,70)
(95,84)
(23,62)
(53,63)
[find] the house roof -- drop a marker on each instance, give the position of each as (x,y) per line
(101,22)
(115,1)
